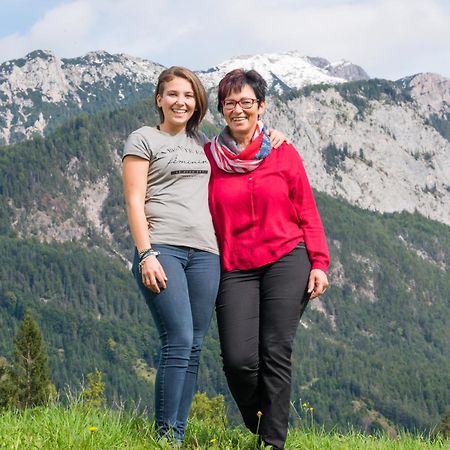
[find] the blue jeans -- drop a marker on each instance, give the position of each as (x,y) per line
(182,314)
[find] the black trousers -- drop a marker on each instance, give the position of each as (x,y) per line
(258,312)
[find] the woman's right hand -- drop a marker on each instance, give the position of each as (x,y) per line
(317,284)
(153,275)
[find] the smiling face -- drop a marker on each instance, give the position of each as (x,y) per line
(177,103)
(242,122)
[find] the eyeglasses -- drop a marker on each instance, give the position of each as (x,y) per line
(244,103)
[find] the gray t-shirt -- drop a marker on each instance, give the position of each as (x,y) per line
(176,201)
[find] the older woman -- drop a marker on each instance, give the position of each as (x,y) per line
(274,254)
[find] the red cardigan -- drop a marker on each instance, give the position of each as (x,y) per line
(262,215)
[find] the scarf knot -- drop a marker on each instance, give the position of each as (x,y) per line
(229,157)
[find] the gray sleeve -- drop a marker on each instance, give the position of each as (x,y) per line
(137,145)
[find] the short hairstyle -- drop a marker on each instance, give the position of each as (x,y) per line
(201,102)
(235,80)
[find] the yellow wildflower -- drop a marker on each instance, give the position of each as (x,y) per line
(92,429)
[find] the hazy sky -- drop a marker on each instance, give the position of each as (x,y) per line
(388,38)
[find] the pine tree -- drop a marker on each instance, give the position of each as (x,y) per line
(443,429)
(93,394)
(31,365)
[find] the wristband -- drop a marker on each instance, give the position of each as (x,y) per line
(146,255)
(143,254)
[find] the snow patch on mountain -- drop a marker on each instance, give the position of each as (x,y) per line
(291,68)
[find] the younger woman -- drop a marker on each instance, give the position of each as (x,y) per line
(176,263)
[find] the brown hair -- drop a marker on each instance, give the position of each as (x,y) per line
(235,80)
(201,102)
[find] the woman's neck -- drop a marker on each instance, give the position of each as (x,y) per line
(243,140)
(170,129)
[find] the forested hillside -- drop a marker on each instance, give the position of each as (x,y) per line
(373,353)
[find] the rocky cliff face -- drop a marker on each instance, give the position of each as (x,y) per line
(431,92)
(341,69)
(42,89)
(386,157)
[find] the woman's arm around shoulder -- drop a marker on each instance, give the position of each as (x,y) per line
(277,138)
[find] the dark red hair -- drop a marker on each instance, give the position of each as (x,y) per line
(235,80)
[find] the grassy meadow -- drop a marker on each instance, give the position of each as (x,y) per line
(80,427)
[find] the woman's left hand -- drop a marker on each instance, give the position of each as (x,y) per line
(318,283)
(276,138)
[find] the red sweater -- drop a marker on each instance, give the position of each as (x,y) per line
(262,215)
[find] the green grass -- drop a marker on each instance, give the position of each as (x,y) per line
(70,428)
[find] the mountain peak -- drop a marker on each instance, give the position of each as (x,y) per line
(430,90)
(289,69)
(341,68)
(100,57)
(42,54)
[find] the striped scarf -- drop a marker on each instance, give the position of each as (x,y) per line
(230,158)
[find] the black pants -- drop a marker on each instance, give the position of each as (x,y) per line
(258,312)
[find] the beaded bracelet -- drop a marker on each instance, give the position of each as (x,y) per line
(141,252)
(146,254)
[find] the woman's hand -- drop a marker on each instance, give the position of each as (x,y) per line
(318,283)
(153,276)
(276,138)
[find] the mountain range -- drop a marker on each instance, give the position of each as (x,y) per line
(42,82)
(372,353)
(382,145)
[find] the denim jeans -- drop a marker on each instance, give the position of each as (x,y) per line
(182,314)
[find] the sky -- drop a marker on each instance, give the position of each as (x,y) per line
(388,38)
